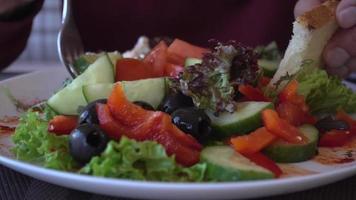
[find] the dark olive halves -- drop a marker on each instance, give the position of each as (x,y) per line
(87,141)
(174,101)
(193,121)
(88,114)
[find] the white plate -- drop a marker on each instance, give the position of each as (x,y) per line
(301,176)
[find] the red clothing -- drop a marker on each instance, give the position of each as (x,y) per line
(115,25)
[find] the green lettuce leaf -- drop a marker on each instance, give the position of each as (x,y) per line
(146,160)
(324,93)
(35,144)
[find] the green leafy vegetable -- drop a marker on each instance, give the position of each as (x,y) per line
(269,52)
(324,93)
(34,143)
(211,83)
(141,161)
(83,62)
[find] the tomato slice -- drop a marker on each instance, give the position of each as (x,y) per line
(265,162)
(62,125)
(173,70)
(252,94)
(129,69)
(335,138)
(157,57)
(253,142)
(181,49)
(140,124)
(282,128)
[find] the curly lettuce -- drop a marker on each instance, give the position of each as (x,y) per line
(324,93)
(33,143)
(145,160)
(211,83)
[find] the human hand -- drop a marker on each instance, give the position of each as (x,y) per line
(9,5)
(340,53)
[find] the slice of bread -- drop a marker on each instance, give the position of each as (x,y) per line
(311,32)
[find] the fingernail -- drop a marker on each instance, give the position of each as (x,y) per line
(347,17)
(337,57)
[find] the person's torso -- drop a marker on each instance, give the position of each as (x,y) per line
(116,24)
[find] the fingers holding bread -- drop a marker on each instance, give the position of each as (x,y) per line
(346,13)
(340,52)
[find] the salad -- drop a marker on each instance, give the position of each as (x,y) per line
(179,112)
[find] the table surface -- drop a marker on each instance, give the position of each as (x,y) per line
(16,186)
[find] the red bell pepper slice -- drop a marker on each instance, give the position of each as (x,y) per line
(294,114)
(282,128)
(263,161)
(252,94)
(62,125)
(289,94)
(107,122)
(335,138)
(253,142)
(141,124)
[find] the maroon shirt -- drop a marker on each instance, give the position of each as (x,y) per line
(116,25)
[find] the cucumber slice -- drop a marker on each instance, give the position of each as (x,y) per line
(283,152)
(191,61)
(67,100)
(151,90)
(224,164)
(97,91)
(269,67)
(101,71)
(114,56)
(246,118)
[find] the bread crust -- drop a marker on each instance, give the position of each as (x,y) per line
(319,16)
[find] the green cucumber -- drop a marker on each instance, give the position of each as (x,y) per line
(97,91)
(269,67)
(114,56)
(151,90)
(82,63)
(225,164)
(246,118)
(283,152)
(191,61)
(67,100)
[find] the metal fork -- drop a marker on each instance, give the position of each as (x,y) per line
(69,42)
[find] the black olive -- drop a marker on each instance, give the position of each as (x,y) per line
(144,105)
(174,101)
(328,123)
(193,121)
(88,114)
(86,141)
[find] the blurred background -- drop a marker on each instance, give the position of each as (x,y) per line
(41,50)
